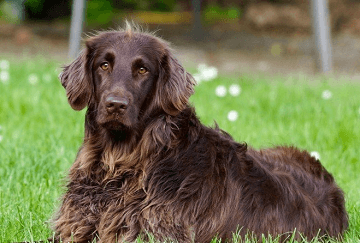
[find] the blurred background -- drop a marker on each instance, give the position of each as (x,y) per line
(236,36)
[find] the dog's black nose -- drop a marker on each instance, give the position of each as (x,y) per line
(116,104)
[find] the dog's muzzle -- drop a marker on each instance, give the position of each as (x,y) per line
(115,104)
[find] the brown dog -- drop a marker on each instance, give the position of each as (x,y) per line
(147,164)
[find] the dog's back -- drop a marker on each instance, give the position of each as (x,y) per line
(215,186)
(296,193)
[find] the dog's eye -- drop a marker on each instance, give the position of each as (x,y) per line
(105,66)
(142,70)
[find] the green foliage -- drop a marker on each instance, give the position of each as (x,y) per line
(40,136)
(162,5)
(99,13)
(35,6)
(215,13)
(12,11)
(146,5)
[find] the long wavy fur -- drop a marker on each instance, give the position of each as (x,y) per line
(171,176)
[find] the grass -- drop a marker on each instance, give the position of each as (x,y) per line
(40,135)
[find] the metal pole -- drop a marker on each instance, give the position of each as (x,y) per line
(16,12)
(321,28)
(198,32)
(77,19)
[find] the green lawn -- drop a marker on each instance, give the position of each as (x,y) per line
(40,134)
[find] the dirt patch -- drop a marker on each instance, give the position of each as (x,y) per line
(233,48)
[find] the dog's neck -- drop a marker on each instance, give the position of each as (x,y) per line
(121,152)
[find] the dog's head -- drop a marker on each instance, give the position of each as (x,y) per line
(124,76)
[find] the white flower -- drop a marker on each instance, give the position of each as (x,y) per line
(326,94)
(33,79)
(4,76)
(201,67)
(35,99)
(234,89)
(220,91)
(46,77)
(57,71)
(4,64)
(232,116)
(315,154)
(209,73)
(197,78)
(61,150)
(205,73)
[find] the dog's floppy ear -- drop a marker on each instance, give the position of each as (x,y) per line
(76,79)
(175,85)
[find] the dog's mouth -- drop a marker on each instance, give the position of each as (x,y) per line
(114,125)
(115,122)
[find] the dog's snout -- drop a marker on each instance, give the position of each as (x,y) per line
(116,104)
